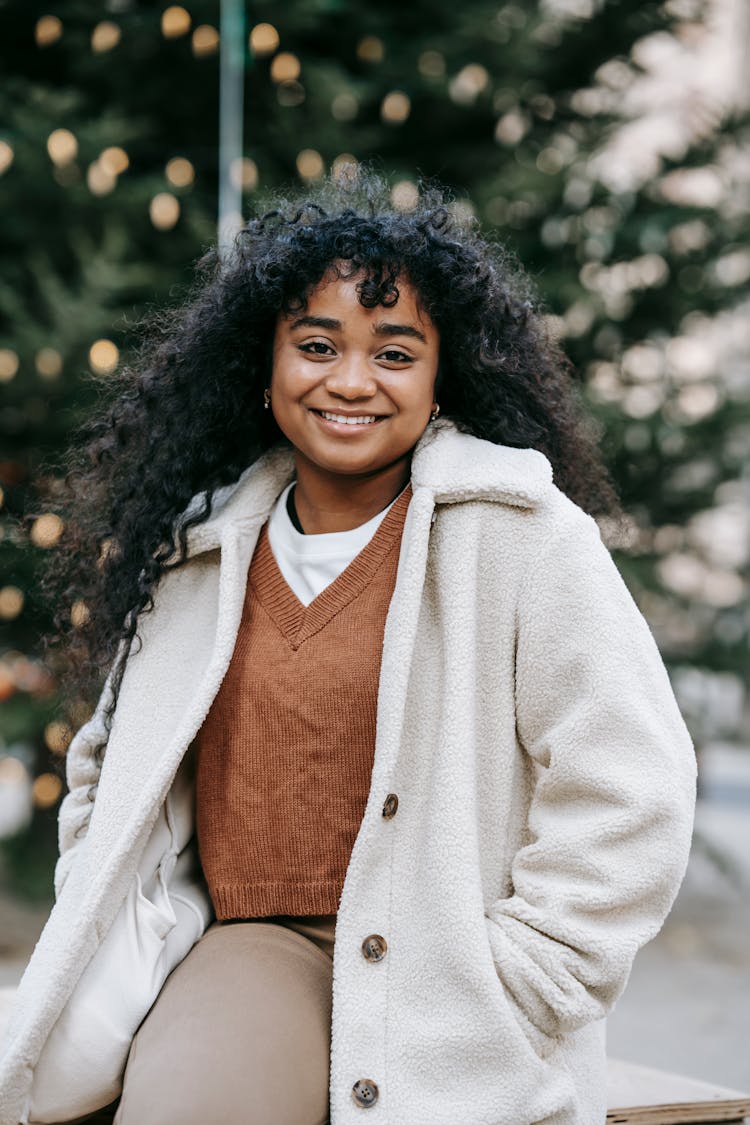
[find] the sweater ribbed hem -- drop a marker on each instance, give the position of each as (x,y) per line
(258,900)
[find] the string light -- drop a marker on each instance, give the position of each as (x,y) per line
(46,530)
(395,107)
(405,195)
(103,357)
(9,363)
(11,602)
(345,168)
(57,736)
(6,156)
(179,171)
(468,84)
(205,40)
(310,164)
(164,210)
(264,39)
(46,789)
(47,30)
(105,36)
(285,67)
(62,147)
(371,49)
(114,160)
(243,173)
(48,362)
(99,180)
(175,21)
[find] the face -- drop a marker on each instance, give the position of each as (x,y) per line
(351,387)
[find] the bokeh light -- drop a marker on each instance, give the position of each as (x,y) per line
(175,21)
(57,736)
(11,602)
(48,362)
(103,357)
(46,530)
(105,36)
(9,364)
(46,790)
(395,107)
(285,67)
(6,156)
(310,164)
(264,39)
(47,30)
(62,147)
(205,40)
(180,172)
(243,173)
(164,210)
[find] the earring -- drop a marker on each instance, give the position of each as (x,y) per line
(267,397)
(435,412)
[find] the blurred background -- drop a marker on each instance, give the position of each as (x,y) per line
(605,142)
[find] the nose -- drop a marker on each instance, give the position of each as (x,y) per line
(349,378)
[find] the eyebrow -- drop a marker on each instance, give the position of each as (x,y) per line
(380,329)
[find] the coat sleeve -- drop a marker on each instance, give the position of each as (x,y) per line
(82,769)
(610,819)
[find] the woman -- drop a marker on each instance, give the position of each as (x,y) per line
(395,784)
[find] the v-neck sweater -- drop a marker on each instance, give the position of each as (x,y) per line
(285,754)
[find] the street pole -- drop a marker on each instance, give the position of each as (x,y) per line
(231,91)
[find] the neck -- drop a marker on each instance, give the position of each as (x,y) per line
(328,502)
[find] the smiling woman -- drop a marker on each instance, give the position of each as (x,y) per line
(390,706)
(352,393)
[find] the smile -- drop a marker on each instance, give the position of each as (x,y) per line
(349,420)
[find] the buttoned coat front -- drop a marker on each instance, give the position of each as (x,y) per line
(545,786)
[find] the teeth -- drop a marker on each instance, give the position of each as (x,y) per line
(361,420)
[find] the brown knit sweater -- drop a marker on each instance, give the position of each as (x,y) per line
(284,756)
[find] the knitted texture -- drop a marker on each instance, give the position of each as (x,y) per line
(285,753)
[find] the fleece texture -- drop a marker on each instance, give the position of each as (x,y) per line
(545,786)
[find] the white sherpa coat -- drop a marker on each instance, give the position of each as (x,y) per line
(545,783)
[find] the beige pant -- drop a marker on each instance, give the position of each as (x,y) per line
(240,1032)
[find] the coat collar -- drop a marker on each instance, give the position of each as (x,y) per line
(452,466)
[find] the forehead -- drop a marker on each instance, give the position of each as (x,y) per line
(339,296)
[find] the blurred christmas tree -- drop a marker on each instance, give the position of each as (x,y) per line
(109,162)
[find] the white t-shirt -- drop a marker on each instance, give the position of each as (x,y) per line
(309,563)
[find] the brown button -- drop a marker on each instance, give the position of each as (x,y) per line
(390,806)
(374,947)
(365,1092)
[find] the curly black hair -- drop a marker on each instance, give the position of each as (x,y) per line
(186,415)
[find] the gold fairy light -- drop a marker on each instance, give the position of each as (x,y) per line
(285,67)
(468,84)
(114,160)
(264,39)
(205,40)
(310,164)
(62,147)
(103,357)
(47,30)
(345,168)
(46,530)
(105,36)
(12,771)
(79,613)
(395,107)
(179,171)
(9,364)
(11,602)
(98,180)
(164,210)
(405,195)
(371,49)
(57,736)
(6,156)
(175,21)
(243,173)
(48,363)
(45,790)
